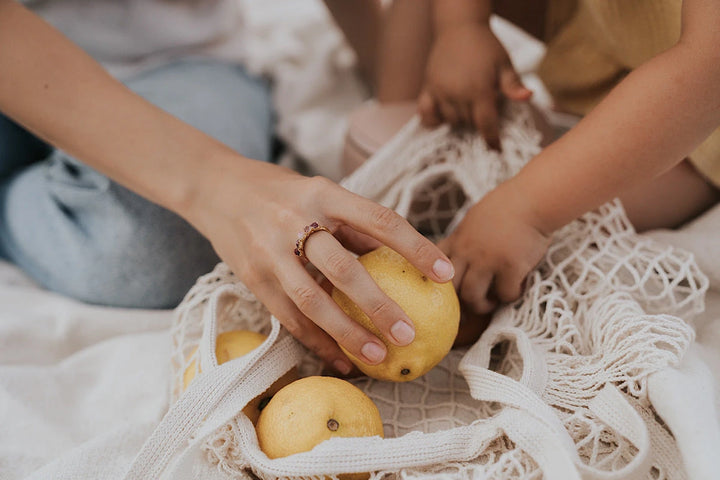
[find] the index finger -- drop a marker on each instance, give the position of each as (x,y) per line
(485,117)
(393,230)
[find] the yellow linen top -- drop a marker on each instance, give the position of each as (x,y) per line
(593,44)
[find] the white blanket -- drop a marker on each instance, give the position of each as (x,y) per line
(82,387)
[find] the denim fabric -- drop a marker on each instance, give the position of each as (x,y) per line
(78,233)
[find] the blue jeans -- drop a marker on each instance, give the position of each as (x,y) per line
(79,233)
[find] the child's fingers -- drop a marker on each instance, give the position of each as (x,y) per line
(475,288)
(511,85)
(508,285)
(427,109)
(485,119)
(449,112)
(466,115)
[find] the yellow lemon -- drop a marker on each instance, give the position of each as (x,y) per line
(312,410)
(234,344)
(433,308)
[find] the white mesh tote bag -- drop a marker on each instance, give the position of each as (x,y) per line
(555,388)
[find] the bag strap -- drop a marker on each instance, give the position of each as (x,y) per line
(609,405)
(216,396)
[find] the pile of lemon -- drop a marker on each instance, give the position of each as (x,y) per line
(295,414)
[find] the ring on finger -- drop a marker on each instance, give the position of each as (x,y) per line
(314,227)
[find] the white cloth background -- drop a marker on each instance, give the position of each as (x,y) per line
(82,387)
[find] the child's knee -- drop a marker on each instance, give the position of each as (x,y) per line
(370,127)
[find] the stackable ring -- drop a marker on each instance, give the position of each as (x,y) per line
(305,234)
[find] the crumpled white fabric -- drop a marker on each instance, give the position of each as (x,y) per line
(601,332)
(82,388)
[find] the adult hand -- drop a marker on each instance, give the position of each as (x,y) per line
(468,72)
(252,213)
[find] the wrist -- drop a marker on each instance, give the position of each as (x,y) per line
(196,186)
(521,203)
(453,14)
(463,26)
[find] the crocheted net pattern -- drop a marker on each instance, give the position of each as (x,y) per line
(604,307)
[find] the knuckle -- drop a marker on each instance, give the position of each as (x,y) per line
(423,250)
(320,188)
(345,335)
(385,219)
(323,183)
(324,351)
(381,309)
(508,291)
(286,215)
(293,325)
(340,264)
(253,276)
(305,297)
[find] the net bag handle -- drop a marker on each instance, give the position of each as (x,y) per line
(216,396)
(609,405)
(174,449)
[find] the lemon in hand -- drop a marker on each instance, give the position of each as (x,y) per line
(433,308)
(235,344)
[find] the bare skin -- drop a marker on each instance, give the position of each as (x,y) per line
(251,211)
(675,105)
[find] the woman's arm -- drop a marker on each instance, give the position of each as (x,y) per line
(251,211)
(62,95)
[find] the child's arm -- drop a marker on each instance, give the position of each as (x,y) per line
(439,52)
(645,126)
(251,211)
(468,70)
(361,24)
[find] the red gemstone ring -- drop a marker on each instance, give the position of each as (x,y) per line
(305,234)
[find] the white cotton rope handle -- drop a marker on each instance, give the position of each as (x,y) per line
(534,427)
(230,386)
(170,453)
(363,454)
(344,455)
(612,407)
(609,405)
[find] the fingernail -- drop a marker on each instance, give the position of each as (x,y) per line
(443,269)
(342,366)
(402,333)
(373,352)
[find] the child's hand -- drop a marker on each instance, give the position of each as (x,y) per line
(493,249)
(467,72)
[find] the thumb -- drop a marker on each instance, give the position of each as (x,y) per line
(511,86)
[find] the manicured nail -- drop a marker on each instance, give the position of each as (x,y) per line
(443,269)
(373,352)
(402,333)
(342,366)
